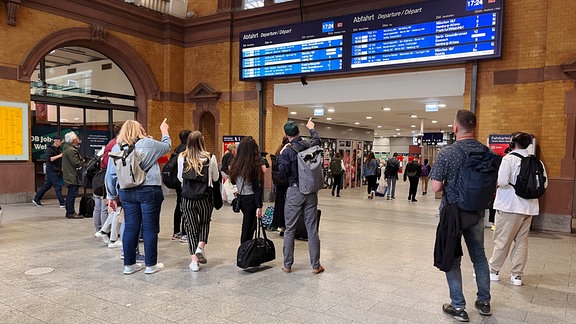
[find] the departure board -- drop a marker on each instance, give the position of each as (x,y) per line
(300,49)
(429,32)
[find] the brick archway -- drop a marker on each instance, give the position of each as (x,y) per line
(97,38)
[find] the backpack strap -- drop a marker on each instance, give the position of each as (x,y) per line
(517,154)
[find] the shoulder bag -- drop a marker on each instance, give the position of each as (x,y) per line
(253,253)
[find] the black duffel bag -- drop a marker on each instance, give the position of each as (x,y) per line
(254,252)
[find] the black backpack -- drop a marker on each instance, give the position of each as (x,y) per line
(169,171)
(277,178)
(195,186)
(86,172)
(336,166)
(478,180)
(531,180)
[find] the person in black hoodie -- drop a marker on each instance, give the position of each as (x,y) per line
(412,172)
(53,156)
(178,231)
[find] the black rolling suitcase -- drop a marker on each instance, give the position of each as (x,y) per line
(86,206)
(301,232)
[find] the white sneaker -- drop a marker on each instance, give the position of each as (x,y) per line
(494,276)
(516,280)
(194,266)
(101,236)
(133,268)
(115,244)
(201,255)
(155,268)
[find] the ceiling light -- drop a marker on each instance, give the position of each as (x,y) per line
(441,131)
(379,126)
(331,110)
(375,134)
(413,116)
(293,113)
(434,121)
(413,132)
(386,109)
(397,129)
(442,106)
(357,123)
(449,125)
(328,118)
(368,117)
(413,126)
(397,133)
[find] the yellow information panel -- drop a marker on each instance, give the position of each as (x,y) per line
(13,131)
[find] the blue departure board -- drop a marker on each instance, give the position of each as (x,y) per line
(430,32)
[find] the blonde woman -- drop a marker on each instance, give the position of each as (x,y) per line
(197,168)
(141,203)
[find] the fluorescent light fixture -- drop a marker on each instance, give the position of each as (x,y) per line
(357,123)
(413,132)
(331,110)
(318,111)
(434,121)
(441,131)
(449,125)
(398,133)
(379,126)
(293,113)
(397,129)
(413,126)
(368,117)
(386,109)
(328,118)
(413,116)
(441,106)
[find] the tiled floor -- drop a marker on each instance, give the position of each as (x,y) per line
(377,255)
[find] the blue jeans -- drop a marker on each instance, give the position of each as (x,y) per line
(391,186)
(141,209)
(71,199)
(474,237)
(52,180)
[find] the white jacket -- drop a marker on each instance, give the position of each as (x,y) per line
(506,199)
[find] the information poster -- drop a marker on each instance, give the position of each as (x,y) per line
(13,131)
(498,143)
(230,139)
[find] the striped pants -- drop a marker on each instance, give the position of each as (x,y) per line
(197,215)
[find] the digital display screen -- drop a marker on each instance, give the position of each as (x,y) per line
(432,138)
(300,49)
(430,32)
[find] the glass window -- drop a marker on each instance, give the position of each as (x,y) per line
(251,4)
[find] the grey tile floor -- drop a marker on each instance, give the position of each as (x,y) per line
(377,255)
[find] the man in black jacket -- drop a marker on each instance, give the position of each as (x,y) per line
(53,156)
(178,232)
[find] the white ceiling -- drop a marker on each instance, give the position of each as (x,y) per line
(354,99)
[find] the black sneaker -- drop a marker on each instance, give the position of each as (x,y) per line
(483,307)
(458,314)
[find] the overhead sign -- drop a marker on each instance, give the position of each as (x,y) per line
(430,32)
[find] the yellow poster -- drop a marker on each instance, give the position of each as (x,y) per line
(13,131)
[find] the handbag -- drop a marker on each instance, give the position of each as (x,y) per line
(236,201)
(236,204)
(253,253)
(216,195)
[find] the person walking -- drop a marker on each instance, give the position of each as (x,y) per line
(178,232)
(53,156)
(369,171)
(141,203)
(412,172)
(197,169)
(297,203)
(246,173)
(337,170)
(445,176)
(280,187)
(514,214)
(391,174)
(424,173)
(71,160)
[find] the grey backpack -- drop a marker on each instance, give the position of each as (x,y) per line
(127,165)
(310,167)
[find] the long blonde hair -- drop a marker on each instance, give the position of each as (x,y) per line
(130,132)
(195,152)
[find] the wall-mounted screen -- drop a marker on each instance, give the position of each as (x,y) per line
(432,138)
(430,32)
